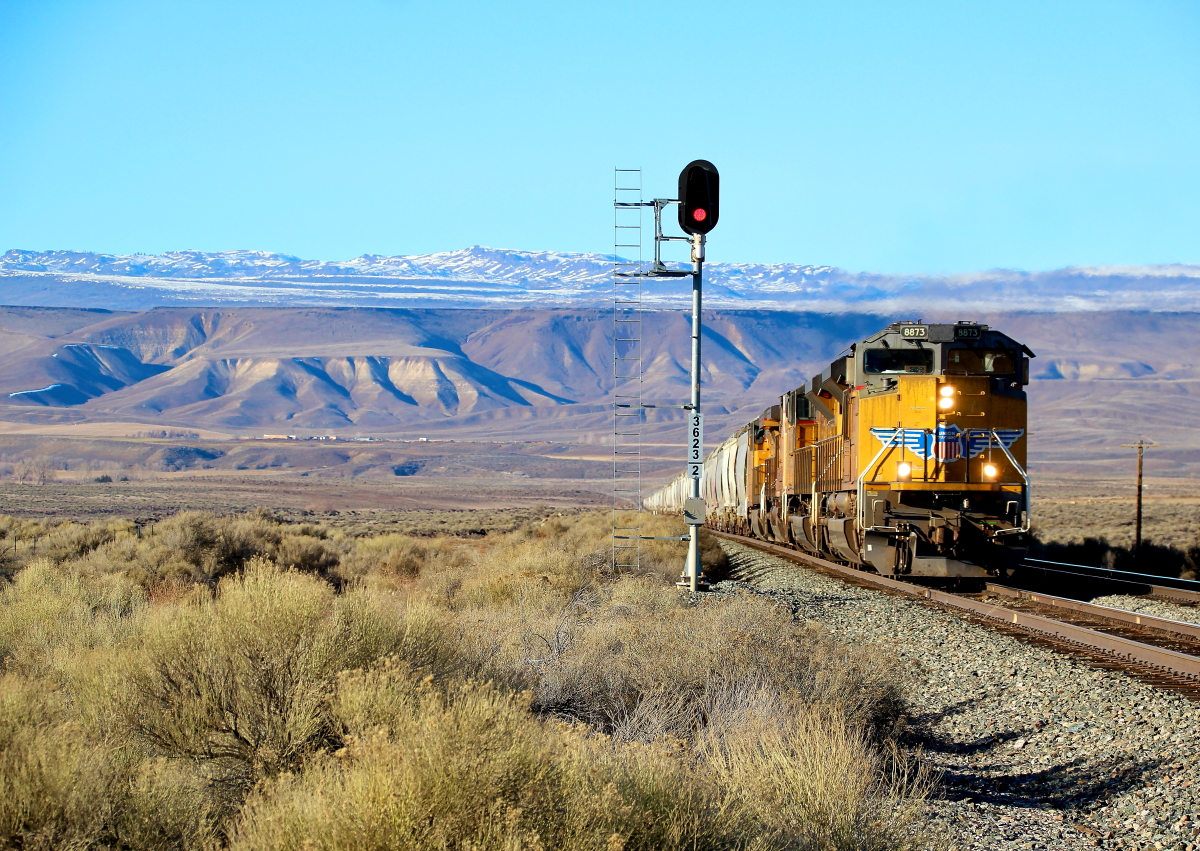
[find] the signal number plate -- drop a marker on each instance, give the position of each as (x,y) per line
(695,459)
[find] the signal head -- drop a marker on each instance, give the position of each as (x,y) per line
(699,196)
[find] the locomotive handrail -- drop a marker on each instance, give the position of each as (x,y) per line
(835,445)
(861,489)
(823,440)
(1026,488)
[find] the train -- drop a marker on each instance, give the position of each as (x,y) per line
(906,456)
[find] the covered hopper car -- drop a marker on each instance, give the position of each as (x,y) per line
(905,456)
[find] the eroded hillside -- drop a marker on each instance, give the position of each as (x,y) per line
(1099,379)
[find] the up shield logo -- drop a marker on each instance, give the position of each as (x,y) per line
(949,442)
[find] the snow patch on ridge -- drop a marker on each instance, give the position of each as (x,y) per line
(494,277)
(42,390)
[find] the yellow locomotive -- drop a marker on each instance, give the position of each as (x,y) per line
(905,456)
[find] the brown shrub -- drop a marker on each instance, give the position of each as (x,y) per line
(641,676)
(470,769)
(53,611)
(241,682)
(57,788)
(393,559)
(467,767)
(66,783)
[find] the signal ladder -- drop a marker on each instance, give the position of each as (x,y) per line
(628,413)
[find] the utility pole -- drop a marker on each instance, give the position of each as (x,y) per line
(1140,446)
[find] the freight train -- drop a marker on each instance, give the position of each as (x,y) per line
(905,456)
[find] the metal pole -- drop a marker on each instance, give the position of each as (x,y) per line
(693,566)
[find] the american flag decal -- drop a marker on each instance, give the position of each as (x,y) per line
(948,445)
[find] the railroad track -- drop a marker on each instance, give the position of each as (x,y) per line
(1164,653)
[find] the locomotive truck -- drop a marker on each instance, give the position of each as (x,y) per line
(905,456)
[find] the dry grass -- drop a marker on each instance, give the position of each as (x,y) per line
(241,682)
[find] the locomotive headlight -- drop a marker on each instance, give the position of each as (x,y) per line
(947,390)
(904,470)
(945,402)
(989,470)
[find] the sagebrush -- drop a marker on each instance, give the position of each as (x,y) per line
(244,682)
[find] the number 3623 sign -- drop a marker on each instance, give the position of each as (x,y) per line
(695,456)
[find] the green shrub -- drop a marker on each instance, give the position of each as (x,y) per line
(307,555)
(69,541)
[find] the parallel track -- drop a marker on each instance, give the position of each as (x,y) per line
(1162,652)
(1169,589)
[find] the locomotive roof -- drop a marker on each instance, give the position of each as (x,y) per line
(948,332)
(833,377)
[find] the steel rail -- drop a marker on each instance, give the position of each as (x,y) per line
(1158,657)
(1184,588)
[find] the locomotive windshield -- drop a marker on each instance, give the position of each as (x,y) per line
(980,362)
(883,361)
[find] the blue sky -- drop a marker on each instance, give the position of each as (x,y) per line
(881,136)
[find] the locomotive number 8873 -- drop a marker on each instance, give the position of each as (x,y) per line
(906,456)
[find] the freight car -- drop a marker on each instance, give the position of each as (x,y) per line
(905,456)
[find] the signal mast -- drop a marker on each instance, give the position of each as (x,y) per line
(699,209)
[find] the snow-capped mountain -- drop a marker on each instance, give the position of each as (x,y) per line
(491,277)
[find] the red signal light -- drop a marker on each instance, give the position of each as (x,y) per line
(699,214)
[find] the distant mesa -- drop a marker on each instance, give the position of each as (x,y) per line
(311,372)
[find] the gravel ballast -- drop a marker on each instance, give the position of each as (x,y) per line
(1037,750)
(1158,608)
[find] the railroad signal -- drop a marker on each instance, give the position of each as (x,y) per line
(699,197)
